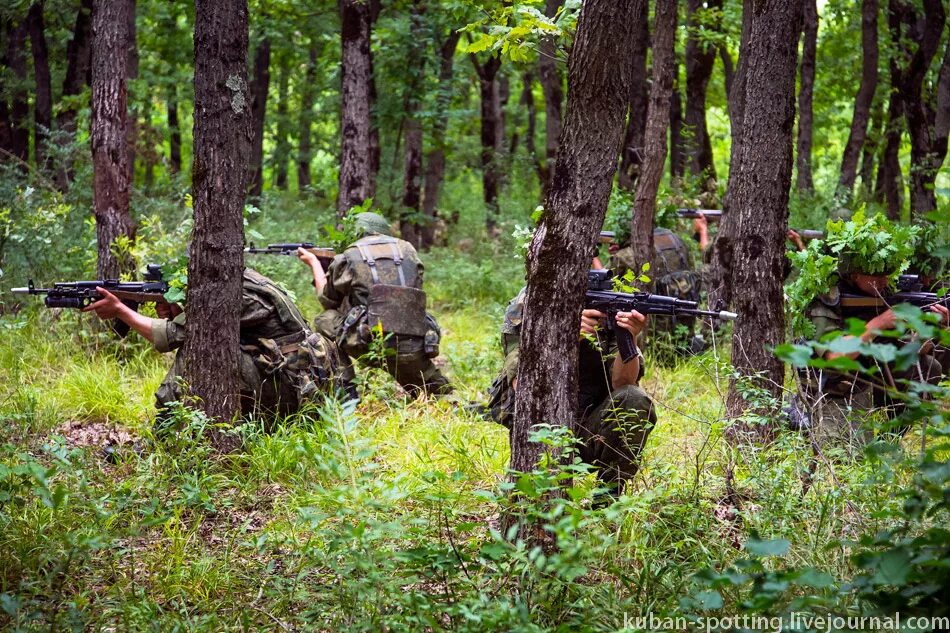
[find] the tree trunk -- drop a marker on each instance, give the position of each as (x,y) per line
(375,151)
(700,58)
(805,183)
(132,72)
(412,164)
(753,230)
(43,97)
(631,156)
(531,114)
(872,144)
(563,245)
(864,98)
(728,70)
(552,87)
(926,156)
(492,136)
(174,132)
(304,122)
(109,133)
(19,135)
(890,180)
(356,162)
(435,158)
(259,88)
(658,120)
(78,66)
(677,145)
(222,140)
(737,94)
(282,147)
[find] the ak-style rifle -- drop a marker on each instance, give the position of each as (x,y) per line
(691,214)
(324,255)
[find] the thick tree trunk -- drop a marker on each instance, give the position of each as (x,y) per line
(282,146)
(19,125)
(305,121)
(552,87)
(78,65)
(677,144)
(435,158)
(492,136)
(222,138)
(926,156)
(631,157)
(864,98)
(260,85)
(174,132)
(412,163)
(700,58)
(805,183)
(563,245)
(43,97)
(109,133)
(356,153)
(658,119)
(753,231)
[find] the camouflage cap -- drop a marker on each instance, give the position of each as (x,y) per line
(369,222)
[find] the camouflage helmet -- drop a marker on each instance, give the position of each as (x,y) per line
(370,223)
(841,213)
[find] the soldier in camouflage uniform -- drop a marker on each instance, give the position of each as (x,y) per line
(375,288)
(672,270)
(840,404)
(283,363)
(615,415)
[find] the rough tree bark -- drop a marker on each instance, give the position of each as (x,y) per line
(43,95)
(631,156)
(658,120)
(435,157)
(304,122)
(19,126)
(753,231)
(282,146)
(552,87)
(260,86)
(109,133)
(864,98)
(804,183)
(356,162)
(412,104)
(926,156)
(492,136)
(700,58)
(563,246)
(222,140)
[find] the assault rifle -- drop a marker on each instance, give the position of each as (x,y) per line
(601,296)
(79,294)
(856,303)
(810,234)
(691,214)
(324,255)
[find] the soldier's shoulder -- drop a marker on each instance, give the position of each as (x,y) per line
(514,313)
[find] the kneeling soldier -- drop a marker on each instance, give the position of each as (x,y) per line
(615,415)
(373,288)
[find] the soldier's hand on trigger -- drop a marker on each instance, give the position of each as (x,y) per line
(165,310)
(108,306)
(590,321)
(944,313)
(633,322)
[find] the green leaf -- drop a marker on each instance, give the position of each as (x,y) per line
(483,43)
(709,600)
(772,547)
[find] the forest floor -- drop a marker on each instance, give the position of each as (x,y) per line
(386,517)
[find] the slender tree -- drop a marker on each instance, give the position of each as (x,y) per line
(282,146)
(631,157)
(677,142)
(864,98)
(174,131)
(356,154)
(700,58)
(492,135)
(222,140)
(890,180)
(78,63)
(43,95)
(658,120)
(305,120)
(549,75)
(260,86)
(18,144)
(563,245)
(412,104)
(752,235)
(435,157)
(805,183)
(109,133)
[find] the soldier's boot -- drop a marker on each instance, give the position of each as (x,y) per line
(417,374)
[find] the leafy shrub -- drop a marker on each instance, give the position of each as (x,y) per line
(872,245)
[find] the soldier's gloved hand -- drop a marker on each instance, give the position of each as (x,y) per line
(590,321)
(108,306)
(307,257)
(944,314)
(633,322)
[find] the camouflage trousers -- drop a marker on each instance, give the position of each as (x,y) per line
(615,432)
(842,418)
(414,372)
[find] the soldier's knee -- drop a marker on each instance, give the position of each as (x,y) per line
(632,400)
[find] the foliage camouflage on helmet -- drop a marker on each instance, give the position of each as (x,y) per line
(871,245)
(368,223)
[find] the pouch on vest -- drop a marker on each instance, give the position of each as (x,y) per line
(399,310)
